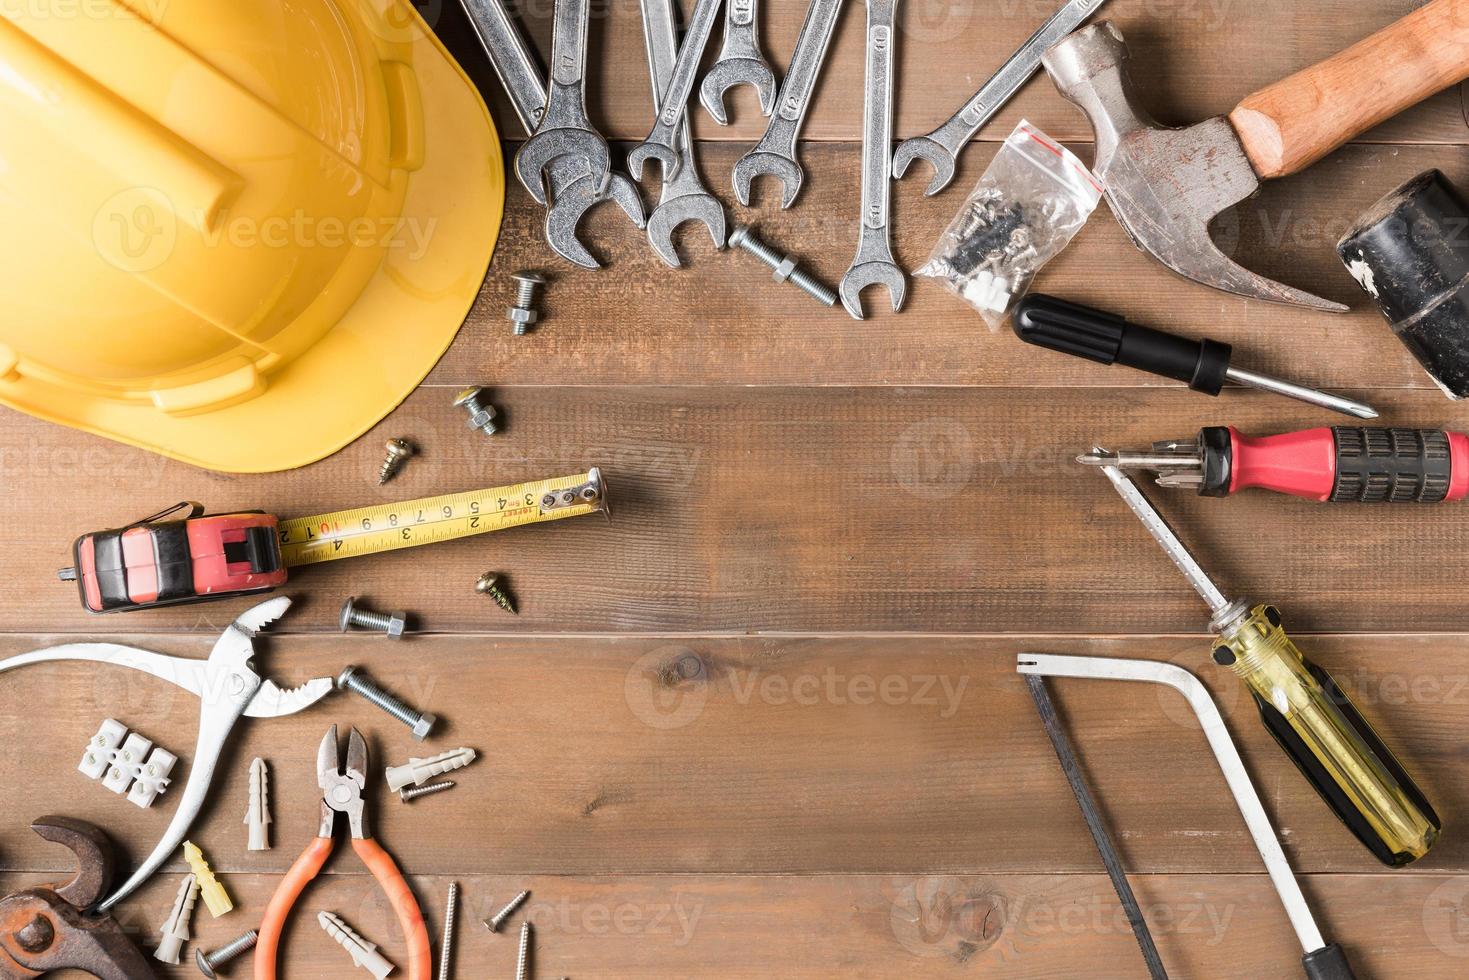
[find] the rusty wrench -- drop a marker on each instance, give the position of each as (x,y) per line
(45,928)
(740,62)
(564,129)
(775,154)
(684,197)
(873,264)
(660,144)
(573,190)
(941,147)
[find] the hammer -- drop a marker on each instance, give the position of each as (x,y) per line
(1165,185)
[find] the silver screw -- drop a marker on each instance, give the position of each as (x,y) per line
(398,451)
(481,413)
(785,267)
(410,793)
(209,963)
(446,950)
(352,679)
(392,624)
(489,584)
(524,312)
(522,962)
(494,922)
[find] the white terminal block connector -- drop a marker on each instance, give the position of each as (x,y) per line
(364,954)
(121,761)
(420,771)
(988,291)
(257,815)
(175,931)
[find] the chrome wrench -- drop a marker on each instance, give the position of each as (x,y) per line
(572,188)
(660,144)
(564,129)
(873,264)
(941,147)
(775,154)
(740,62)
(684,197)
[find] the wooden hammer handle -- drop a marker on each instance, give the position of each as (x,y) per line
(1290,125)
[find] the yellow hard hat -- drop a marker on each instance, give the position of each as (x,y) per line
(235,232)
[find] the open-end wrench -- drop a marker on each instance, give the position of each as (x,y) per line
(775,154)
(874,265)
(684,197)
(564,129)
(660,144)
(573,189)
(941,147)
(740,62)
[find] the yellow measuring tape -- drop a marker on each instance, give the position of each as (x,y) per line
(388,527)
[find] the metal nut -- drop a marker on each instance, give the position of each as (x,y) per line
(521,316)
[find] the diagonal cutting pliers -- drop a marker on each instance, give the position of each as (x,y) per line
(341,793)
(227,687)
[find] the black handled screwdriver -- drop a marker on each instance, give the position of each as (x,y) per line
(1107,338)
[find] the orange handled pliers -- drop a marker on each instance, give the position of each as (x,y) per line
(341,792)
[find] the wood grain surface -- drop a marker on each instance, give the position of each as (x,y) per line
(765,722)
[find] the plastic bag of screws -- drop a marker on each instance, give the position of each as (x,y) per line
(1031,201)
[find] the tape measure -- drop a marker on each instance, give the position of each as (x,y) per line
(388,527)
(159,561)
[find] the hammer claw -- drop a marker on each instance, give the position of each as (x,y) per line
(1165,185)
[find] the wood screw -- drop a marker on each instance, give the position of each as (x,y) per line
(494,922)
(446,949)
(410,793)
(522,962)
(489,584)
(398,451)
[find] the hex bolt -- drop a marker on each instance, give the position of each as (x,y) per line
(481,412)
(392,624)
(398,451)
(785,267)
(494,922)
(410,793)
(522,962)
(209,963)
(352,679)
(524,313)
(490,584)
(446,948)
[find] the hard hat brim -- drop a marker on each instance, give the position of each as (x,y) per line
(388,340)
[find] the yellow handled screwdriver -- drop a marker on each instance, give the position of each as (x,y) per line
(1312,720)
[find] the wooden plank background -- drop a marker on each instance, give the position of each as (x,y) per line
(765,723)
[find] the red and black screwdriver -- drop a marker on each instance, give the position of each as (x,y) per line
(1342,463)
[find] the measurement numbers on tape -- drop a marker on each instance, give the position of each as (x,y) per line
(388,527)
